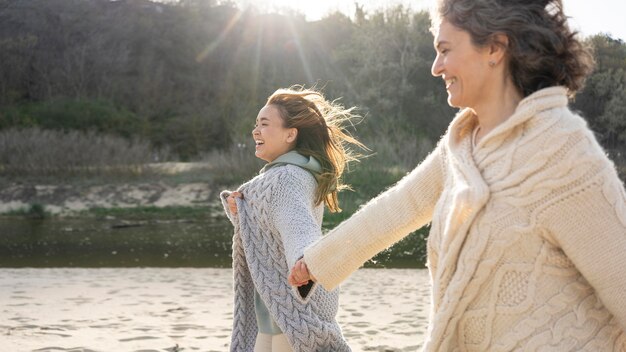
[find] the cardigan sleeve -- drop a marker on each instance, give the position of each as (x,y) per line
(589,224)
(383,221)
(292,211)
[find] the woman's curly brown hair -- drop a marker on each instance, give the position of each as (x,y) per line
(542,50)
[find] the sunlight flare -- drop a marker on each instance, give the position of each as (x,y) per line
(214,44)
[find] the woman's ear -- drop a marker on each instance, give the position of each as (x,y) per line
(498,47)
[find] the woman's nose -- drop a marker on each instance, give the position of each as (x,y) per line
(436,69)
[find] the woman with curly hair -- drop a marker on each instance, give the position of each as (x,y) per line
(528,215)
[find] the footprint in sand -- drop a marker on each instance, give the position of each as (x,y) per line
(138,338)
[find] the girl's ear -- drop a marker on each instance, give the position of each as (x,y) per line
(292,135)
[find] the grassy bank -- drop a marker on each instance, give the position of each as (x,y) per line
(220,170)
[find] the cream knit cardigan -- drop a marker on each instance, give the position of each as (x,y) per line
(527,246)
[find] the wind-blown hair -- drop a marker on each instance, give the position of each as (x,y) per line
(542,51)
(321,134)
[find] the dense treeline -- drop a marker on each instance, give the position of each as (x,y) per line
(191,76)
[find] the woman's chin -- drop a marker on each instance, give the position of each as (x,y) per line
(453,103)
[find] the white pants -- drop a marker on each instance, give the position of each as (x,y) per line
(271,343)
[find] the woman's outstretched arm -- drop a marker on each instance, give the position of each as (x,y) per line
(380,223)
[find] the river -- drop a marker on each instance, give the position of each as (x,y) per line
(90,242)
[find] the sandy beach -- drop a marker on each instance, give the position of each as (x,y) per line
(185,309)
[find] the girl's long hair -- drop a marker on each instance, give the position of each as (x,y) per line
(321,134)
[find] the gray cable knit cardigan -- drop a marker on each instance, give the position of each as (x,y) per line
(276,220)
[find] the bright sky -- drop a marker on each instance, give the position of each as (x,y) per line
(586,16)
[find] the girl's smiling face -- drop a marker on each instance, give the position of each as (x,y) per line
(272,139)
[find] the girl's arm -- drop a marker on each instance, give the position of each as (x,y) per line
(380,223)
(292,211)
(231,212)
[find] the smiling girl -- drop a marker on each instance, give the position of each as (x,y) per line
(279,213)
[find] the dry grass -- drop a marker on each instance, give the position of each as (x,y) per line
(233,166)
(34,151)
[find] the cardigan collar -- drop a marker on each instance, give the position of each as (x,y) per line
(544,99)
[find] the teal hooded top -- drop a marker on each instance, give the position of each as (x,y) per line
(293,157)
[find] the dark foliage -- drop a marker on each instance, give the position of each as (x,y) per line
(192,75)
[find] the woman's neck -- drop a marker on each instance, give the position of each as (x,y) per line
(497,109)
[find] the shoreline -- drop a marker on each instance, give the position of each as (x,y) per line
(71,199)
(161,185)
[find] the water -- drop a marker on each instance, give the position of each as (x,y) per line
(197,242)
(59,242)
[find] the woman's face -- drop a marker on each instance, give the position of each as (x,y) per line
(272,139)
(463,66)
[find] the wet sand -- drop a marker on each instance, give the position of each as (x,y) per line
(186,309)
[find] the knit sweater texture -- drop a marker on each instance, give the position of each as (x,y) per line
(527,244)
(275,222)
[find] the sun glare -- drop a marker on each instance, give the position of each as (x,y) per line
(312,10)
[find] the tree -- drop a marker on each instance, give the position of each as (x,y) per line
(602,101)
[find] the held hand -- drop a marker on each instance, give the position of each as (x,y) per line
(300,274)
(232,205)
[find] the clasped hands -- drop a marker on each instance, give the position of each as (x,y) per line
(300,274)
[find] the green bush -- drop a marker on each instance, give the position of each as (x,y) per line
(34,211)
(69,114)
